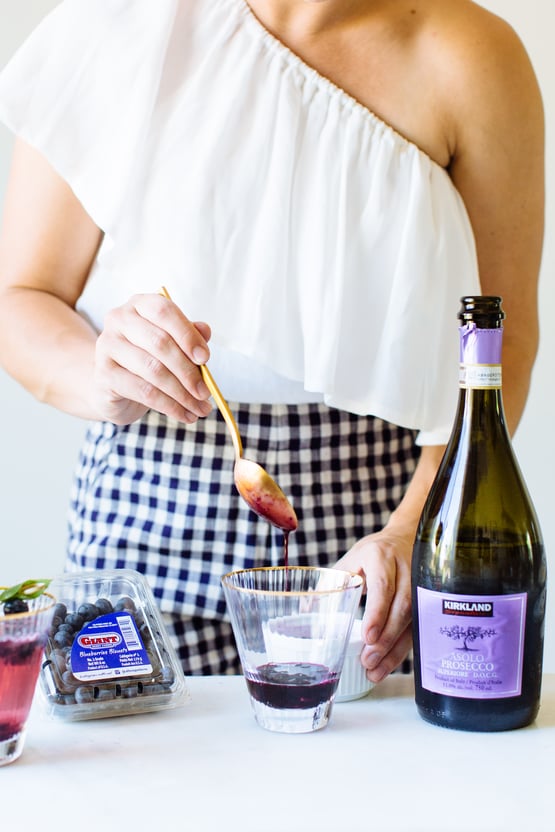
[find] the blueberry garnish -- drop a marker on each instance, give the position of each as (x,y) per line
(15,605)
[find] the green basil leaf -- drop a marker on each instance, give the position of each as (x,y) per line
(25,590)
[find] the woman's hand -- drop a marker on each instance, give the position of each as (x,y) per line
(147,357)
(383,560)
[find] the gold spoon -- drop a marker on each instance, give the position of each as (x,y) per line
(254,484)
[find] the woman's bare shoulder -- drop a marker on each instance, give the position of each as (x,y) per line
(481,69)
(465,23)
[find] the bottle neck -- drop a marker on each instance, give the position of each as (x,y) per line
(480,358)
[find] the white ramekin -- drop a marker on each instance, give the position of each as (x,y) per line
(353,683)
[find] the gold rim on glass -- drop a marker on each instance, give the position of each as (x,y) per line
(355,585)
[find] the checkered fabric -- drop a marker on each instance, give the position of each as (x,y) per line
(159,497)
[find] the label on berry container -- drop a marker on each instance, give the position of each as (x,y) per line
(471,646)
(108,647)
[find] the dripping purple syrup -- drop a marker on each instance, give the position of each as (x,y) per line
(286,560)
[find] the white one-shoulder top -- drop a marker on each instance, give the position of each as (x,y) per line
(327,252)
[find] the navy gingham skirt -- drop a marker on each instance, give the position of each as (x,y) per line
(158,496)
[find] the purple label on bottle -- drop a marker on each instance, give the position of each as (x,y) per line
(480,346)
(471,646)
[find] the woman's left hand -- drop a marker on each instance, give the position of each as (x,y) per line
(383,560)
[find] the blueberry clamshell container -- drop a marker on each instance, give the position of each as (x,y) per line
(108,653)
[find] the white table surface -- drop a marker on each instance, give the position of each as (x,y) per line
(208,766)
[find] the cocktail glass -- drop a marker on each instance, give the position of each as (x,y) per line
(292,626)
(22,639)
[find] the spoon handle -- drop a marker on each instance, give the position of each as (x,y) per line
(223,406)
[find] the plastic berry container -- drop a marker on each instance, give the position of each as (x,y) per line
(107,652)
(353,683)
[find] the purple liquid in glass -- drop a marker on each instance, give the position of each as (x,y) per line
(295,685)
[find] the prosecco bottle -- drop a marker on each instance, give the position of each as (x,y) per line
(479,568)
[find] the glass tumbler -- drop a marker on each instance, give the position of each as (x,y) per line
(292,627)
(22,639)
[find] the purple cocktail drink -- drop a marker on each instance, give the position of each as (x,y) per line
(22,639)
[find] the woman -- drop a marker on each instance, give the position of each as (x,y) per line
(317,182)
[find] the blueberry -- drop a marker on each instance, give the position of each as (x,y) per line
(59,660)
(104,606)
(15,605)
(63,638)
(56,621)
(69,680)
(144,631)
(103,694)
(84,694)
(75,621)
(60,611)
(88,611)
(129,691)
(125,603)
(155,689)
(26,651)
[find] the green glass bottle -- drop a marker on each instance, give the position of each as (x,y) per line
(479,568)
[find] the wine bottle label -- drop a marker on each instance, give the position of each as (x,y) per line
(480,376)
(471,646)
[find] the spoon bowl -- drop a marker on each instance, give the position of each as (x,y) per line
(263,494)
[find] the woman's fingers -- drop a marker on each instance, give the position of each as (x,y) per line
(378,666)
(170,320)
(148,354)
(388,599)
(152,355)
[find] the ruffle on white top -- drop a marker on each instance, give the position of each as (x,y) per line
(316,241)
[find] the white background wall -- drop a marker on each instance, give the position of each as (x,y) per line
(38,446)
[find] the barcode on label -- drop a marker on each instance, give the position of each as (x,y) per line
(129,633)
